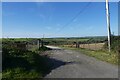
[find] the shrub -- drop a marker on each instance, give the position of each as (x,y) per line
(23,64)
(115,44)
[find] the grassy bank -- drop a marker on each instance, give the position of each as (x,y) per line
(109,57)
(23,64)
(27,65)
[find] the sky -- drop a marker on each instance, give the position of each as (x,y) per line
(57,19)
(119,19)
(0,20)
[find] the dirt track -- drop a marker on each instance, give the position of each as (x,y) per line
(72,64)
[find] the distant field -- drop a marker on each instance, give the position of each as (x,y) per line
(78,40)
(0,43)
(92,46)
(17,39)
(64,39)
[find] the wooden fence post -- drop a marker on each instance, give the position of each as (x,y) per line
(38,43)
(95,45)
(88,45)
(76,45)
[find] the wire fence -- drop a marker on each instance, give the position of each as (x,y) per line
(91,46)
(37,43)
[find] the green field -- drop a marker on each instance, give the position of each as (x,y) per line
(65,39)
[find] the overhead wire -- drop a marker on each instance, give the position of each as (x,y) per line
(74,17)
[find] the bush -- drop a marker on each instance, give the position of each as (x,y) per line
(115,44)
(23,64)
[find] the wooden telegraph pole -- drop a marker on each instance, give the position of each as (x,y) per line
(38,43)
(108,25)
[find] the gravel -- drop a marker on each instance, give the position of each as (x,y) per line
(73,64)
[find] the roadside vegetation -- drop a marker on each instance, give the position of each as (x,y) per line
(103,54)
(19,64)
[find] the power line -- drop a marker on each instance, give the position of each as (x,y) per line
(81,11)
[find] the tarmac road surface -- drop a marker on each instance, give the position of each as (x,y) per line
(73,64)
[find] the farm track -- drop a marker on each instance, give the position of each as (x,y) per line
(73,64)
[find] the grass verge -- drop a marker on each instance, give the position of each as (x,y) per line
(19,64)
(109,57)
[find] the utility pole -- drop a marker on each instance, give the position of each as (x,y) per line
(108,25)
(38,43)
